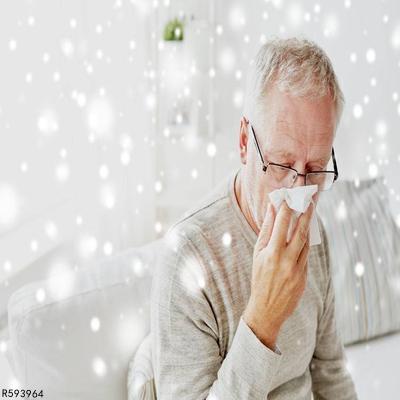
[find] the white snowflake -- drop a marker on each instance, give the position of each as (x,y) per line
(341,211)
(12,44)
(211,149)
(107,248)
(226,239)
(107,196)
(10,204)
(370,56)
(95,324)
(47,122)
(99,367)
(100,117)
(359,269)
(357,111)
(40,295)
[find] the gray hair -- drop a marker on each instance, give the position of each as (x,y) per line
(297,66)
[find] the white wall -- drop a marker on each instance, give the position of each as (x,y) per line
(76,130)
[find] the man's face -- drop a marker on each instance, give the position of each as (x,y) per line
(291,131)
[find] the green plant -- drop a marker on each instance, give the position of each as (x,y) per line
(173,30)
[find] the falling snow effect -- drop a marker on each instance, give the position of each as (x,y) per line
(110,135)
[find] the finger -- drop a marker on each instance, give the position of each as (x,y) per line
(281,225)
(266,229)
(300,233)
(303,257)
(302,262)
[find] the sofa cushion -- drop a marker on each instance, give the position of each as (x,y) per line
(364,243)
(374,367)
(141,384)
(74,335)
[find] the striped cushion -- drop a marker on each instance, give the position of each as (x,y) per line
(364,243)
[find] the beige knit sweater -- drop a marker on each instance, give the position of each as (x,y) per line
(203,349)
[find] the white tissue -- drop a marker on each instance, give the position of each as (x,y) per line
(298,199)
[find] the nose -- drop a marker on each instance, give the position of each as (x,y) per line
(300,181)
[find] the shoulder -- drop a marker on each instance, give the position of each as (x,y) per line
(186,247)
(202,226)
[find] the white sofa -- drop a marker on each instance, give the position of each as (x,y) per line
(59,345)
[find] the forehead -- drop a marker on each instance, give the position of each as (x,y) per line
(291,125)
(292,140)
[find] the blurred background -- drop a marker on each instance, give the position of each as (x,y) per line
(116,116)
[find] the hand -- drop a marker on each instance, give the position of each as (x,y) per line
(279,272)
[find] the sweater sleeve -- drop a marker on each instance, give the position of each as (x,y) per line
(330,378)
(187,359)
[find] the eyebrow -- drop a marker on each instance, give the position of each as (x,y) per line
(286,154)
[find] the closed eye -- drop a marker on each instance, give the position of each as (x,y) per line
(280,164)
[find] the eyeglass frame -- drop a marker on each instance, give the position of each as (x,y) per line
(265,166)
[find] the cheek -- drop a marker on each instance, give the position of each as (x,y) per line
(260,198)
(264,200)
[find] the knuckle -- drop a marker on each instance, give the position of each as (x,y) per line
(282,209)
(286,210)
(286,218)
(270,256)
(303,232)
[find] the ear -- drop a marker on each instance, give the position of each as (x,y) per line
(243,139)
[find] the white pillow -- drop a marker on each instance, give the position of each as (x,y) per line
(73,336)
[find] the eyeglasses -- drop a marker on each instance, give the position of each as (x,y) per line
(284,176)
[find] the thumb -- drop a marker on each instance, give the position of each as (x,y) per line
(266,229)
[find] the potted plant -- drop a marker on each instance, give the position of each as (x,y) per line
(173,30)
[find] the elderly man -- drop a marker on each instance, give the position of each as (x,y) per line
(239,312)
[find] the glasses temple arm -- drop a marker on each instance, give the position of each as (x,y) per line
(334,164)
(258,147)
